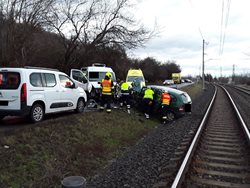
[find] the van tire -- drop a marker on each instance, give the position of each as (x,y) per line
(170,116)
(80,106)
(36,113)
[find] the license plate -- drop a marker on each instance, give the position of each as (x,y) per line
(4,103)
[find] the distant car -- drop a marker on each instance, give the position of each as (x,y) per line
(188,81)
(180,101)
(168,82)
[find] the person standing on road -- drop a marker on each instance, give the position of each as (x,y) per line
(165,103)
(148,101)
(107,87)
(125,95)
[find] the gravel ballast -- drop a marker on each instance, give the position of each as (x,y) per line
(242,102)
(141,165)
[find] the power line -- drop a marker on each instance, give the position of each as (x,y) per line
(227,17)
(224,26)
(221,26)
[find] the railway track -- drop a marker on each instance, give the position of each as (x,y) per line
(242,89)
(219,155)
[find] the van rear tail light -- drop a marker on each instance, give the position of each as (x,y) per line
(24,93)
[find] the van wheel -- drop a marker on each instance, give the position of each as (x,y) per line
(36,113)
(170,116)
(80,106)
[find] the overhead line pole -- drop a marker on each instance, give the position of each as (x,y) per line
(203,76)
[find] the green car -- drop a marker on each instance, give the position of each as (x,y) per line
(180,101)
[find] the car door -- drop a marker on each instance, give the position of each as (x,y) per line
(51,91)
(80,80)
(68,94)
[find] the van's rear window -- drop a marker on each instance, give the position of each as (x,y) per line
(9,80)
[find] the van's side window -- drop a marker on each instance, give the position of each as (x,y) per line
(50,79)
(65,81)
(36,79)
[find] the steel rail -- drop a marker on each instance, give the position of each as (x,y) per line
(242,89)
(244,126)
(192,147)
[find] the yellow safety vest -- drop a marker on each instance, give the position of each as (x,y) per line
(148,94)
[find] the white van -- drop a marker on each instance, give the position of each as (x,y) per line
(96,73)
(38,91)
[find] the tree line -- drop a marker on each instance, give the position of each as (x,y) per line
(67,34)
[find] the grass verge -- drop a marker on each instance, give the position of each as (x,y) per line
(77,144)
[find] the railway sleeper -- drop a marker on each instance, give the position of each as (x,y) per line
(213,183)
(224,160)
(222,167)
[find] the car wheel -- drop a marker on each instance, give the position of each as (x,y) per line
(170,116)
(80,106)
(37,113)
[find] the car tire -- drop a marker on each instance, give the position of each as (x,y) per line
(36,113)
(170,116)
(80,106)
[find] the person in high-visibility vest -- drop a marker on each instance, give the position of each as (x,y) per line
(125,95)
(165,103)
(148,101)
(107,87)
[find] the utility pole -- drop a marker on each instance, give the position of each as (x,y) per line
(203,78)
(233,76)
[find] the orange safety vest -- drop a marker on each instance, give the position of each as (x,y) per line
(106,87)
(166,99)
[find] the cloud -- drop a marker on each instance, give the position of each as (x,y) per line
(184,24)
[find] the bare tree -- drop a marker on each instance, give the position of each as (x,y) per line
(116,25)
(68,18)
(21,20)
(95,23)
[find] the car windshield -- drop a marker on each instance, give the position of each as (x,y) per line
(133,78)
